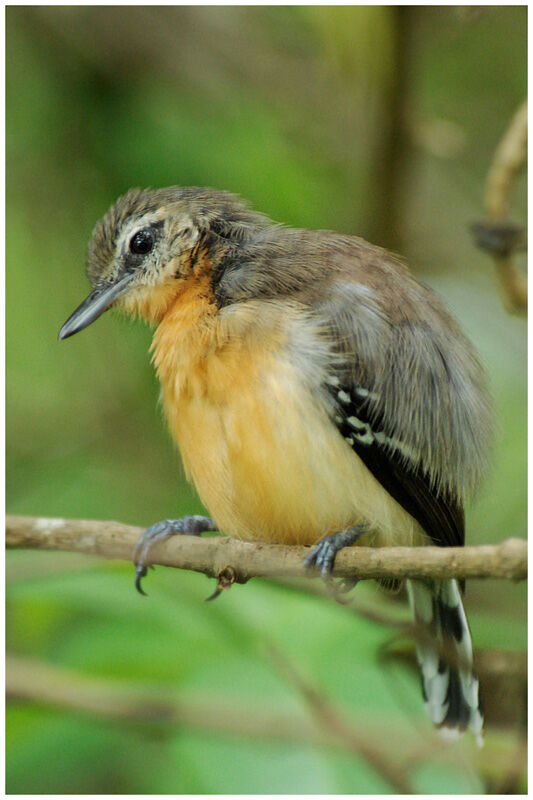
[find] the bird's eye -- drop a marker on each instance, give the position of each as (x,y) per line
(142,242)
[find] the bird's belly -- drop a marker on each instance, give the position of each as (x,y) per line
(269,465)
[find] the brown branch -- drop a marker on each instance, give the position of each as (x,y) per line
(236,561)
(28,679)
(59,687)
(497,234)
(509,159)
(335,724)
(35,681)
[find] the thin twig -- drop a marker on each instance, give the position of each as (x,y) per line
(29,679)
(497,234)
(244,560)
(340,729)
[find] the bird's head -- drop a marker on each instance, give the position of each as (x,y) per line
(151,243)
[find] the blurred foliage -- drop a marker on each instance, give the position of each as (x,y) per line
(379,121)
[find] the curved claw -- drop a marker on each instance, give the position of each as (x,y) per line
(323,554)
(193,525)
(140,573)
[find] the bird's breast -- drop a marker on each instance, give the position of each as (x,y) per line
(264,456)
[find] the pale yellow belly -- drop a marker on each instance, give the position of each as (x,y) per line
(269,465)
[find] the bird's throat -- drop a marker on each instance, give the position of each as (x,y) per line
(188,332)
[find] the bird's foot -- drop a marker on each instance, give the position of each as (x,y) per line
(191,526)
(322,556)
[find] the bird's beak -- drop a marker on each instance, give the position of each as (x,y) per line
(94,306)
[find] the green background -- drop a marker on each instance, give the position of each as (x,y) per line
(379,121)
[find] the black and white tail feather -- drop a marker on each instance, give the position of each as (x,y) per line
(444,651)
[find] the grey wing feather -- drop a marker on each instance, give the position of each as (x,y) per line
(426,389)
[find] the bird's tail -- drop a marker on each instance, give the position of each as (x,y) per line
(444,651)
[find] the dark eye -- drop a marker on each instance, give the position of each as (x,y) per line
(142,242)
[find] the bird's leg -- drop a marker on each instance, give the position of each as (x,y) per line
(323,554)
(191,526)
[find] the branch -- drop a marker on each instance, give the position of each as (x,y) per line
(230,560)
(38,682)
(340,729)
(27,679)
(497,234)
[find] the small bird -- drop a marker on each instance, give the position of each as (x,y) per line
(319,395)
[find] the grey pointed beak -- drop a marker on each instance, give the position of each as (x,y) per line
(94,306)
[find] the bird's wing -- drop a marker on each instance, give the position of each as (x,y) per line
(439,513)
(400,395)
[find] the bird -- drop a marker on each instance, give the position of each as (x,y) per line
(319,395)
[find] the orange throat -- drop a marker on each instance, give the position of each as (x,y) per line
(186,335)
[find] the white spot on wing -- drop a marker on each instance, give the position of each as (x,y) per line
(356,423)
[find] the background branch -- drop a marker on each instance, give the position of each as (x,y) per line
(340,729)
(28,679)
(497,234)
(230,560)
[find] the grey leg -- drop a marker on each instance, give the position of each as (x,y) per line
(323,554)
(192,526)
